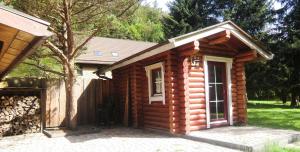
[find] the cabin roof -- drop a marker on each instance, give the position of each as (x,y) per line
(102,50)
(178,41)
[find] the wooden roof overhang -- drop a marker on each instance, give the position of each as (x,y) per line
(227,44)
(20,35)
(226,36)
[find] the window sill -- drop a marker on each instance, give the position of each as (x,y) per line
(156,99)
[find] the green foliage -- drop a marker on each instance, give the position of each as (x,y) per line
(38,65)
(273,114)
(143,25)
(277,148)
(283,72)
(251,15)
(189,15)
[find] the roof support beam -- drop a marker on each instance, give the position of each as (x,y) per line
(221,40)
(246,56)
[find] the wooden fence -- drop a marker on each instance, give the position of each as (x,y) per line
(89,93)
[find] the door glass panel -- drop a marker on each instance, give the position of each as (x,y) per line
(212,93)
(217,94)
(219,74)
(220,94)
(213,113)
(220,106)
(211,75)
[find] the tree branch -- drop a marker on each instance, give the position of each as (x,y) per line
(82,10)
(126,9)
(56,50)
(45,69)
(90,17)
(59,35)
(85,42)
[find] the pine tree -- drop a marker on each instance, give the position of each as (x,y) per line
(290,48)
(253,16)
(189,15)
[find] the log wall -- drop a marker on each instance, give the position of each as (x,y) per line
(196,96)
(240,108)
(143,114)
(172,74)
(192,94)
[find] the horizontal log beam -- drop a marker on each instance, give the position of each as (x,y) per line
(221,40)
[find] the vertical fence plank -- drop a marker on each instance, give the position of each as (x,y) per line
(62,103)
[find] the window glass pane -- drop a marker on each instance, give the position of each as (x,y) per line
(221,110)
(220,94)
(212,94)
(156,81)
(212,108)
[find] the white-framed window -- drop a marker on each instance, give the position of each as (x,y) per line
(156,84)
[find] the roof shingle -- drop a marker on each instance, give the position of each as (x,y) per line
(101,50)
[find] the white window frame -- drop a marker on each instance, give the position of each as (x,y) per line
(228,63)
(149,76)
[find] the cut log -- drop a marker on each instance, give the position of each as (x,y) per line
(19,115)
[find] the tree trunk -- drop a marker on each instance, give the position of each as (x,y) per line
(71,102)
(284,99)
(283,96)
(293,101)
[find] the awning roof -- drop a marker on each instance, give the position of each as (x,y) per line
(20,34)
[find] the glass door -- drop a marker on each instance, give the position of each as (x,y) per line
(217,91)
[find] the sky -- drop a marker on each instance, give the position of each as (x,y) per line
(163,4)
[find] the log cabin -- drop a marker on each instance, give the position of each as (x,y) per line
(188,83)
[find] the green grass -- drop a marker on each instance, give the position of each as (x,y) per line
(277,148)
(273,114)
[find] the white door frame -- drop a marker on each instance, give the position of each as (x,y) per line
(228,62)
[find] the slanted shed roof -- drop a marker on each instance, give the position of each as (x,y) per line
(204,33)
(20,34)
(101,50)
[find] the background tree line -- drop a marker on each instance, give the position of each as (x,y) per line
(277,28)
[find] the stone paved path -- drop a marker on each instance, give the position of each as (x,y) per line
(256,138)
(108,140)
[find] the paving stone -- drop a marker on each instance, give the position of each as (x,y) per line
(245,137)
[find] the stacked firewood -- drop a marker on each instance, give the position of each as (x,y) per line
(19,115)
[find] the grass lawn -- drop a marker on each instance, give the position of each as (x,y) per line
(276,148)
(273,114)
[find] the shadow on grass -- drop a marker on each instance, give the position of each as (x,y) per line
(273,115)
(267,105)
(271,120)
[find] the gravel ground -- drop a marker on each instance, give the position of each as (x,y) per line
(107,140)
